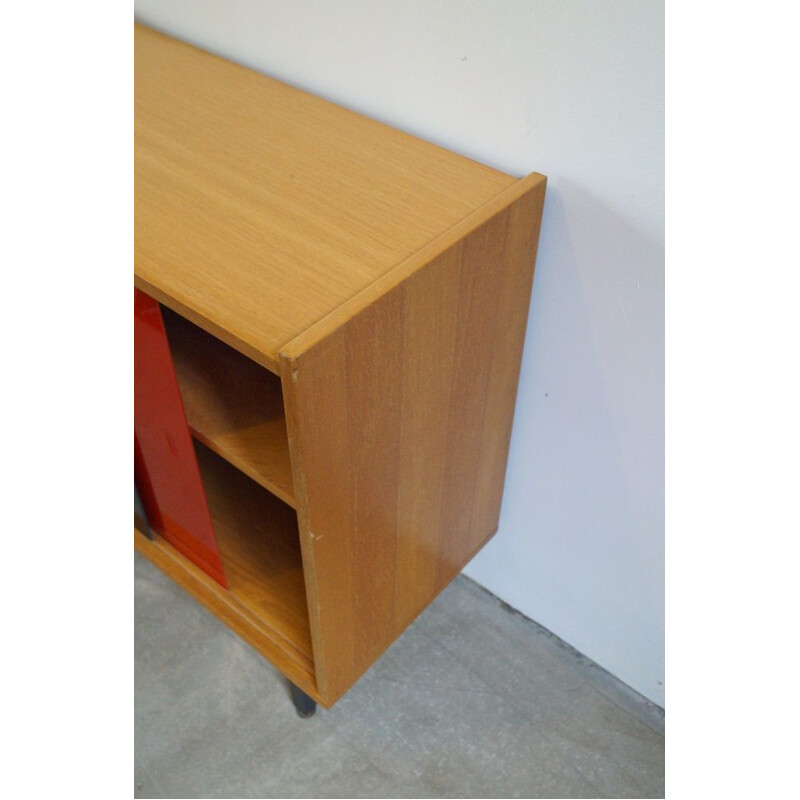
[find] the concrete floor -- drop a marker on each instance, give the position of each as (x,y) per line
(472,701)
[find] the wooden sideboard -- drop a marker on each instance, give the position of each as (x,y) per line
(330,317)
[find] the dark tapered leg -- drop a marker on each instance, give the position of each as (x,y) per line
(140,520)
(303,704)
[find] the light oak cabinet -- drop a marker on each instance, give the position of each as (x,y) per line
(345,308)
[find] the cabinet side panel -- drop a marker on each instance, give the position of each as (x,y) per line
(399,423)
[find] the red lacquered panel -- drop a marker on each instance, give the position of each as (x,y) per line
(166,469)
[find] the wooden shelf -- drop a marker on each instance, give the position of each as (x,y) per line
(260,548)
(387,282)
(233,405)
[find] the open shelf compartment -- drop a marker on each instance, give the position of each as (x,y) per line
(233,405)
(259,545)
(260,549)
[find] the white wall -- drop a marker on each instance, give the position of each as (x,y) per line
(573,89)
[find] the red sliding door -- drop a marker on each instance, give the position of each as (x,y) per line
(166,471)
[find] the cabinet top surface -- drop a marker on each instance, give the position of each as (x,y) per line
(260,208)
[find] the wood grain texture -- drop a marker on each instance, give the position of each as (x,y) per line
(260,209)
(259,545)
(387,281)
(399,408)
(233,405)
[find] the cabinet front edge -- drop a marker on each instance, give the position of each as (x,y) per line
(270,361)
